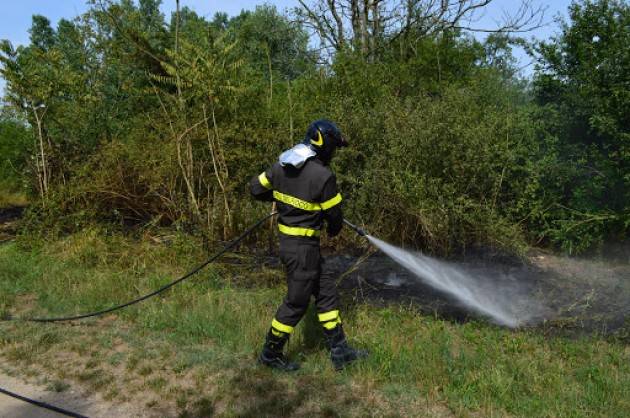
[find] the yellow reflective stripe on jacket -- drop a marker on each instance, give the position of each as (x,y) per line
(331,202)
(296,202)
(281,327)
(303,204)
(264,181)
(328,316)
(298,231)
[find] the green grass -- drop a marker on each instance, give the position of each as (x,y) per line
(11,196)
(195,347)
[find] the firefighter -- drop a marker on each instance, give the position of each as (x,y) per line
(305,190)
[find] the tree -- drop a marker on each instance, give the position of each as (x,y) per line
(32,82)
(42,35)
(270,42)
(369,26)
(582,77)
(14,146)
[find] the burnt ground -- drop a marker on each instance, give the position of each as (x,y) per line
(574,296)
(10,214)
(8,221)
(577,296)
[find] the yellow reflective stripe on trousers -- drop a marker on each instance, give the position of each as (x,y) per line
(331,202)
(328,316)
(264,181)
(297,231)
(281,327)
(331,324)
(329,319)
(296,202)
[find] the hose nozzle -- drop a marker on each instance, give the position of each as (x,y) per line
(355,228)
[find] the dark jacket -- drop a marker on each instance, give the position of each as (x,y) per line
(305,197)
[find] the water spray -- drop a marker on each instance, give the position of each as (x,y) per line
(505,303)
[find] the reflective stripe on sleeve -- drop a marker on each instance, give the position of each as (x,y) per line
(264,181)
(297,231)
(331,202)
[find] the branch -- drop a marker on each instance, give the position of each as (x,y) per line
(333,10)
(431,17)
(526,19)
(320,24)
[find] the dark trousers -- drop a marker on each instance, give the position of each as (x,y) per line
(306,276)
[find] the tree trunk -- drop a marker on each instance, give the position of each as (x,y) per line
(365,35)
(290,110)
(356,23)
(339,22)
(220,172)
(185,175)
(376,28)
(178,80)
(270,74)
(44,168)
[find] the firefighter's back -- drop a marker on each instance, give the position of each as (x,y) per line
(299,193)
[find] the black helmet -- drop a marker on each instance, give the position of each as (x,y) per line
(324,137)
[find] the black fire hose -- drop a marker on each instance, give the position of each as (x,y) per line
(42,404)
(156,292)
(356,229)
(140,299)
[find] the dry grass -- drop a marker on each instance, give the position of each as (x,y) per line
(192,352)
(10,199)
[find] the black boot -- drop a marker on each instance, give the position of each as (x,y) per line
(272,356)
(341,353)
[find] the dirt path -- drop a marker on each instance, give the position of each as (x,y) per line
(72,398)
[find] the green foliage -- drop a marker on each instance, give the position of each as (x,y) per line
(271,43)
(15,143)
(582,84)
(448,172)
(140,123)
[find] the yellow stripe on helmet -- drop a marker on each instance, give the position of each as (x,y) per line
(320,139)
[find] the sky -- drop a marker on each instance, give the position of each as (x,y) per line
(16,17)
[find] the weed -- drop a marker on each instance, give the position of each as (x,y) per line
(157,384)
(132,362)
(97,379)
(116,359)
(145,370)
(10,198)
(112,393)
(58,386)
(204,407)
